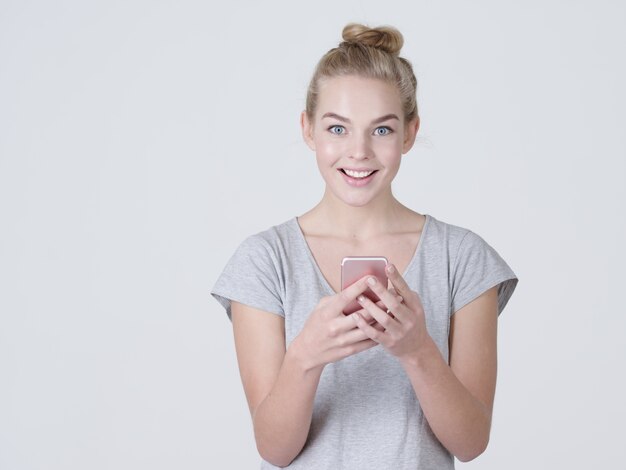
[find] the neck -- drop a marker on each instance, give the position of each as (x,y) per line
(381,216)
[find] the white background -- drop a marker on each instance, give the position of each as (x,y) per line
(141,142)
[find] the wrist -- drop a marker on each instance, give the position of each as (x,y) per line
(423,355)
(297,355)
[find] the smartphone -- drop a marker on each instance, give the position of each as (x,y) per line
(354,268)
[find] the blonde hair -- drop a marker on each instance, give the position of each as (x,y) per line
(369,53)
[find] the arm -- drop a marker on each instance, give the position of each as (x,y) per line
(280,384)
(457,399)
(279,389)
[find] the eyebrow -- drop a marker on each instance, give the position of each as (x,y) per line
(375,121)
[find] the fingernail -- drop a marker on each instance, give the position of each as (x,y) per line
(371,281)
(355,317)
(390,268)
(400,299)
(361,298)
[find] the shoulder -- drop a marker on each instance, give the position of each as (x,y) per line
(462,245)
(450,235)
(254,275)
(271,249)
(274,240)
(474,264)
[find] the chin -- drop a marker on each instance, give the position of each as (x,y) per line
(356,202)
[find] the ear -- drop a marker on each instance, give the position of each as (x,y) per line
(307,130)
(410,132)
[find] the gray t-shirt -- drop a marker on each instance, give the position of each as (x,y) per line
(366,414)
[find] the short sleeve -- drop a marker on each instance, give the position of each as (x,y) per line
(477,268)
(251,277)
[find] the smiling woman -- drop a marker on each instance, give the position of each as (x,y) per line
(404,383)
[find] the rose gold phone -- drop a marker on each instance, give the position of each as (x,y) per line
(354,268)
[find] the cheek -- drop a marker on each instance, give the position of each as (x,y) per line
(389,151)
(327,151)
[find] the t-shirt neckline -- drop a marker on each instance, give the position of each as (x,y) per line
(321,276)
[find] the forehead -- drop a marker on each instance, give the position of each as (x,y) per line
(358,98)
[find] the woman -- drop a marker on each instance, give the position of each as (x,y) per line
(404,383)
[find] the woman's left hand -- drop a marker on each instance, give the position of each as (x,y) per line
(404,322)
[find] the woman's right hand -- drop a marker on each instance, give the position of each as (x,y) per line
(328,335)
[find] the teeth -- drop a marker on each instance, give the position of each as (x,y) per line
(358,174)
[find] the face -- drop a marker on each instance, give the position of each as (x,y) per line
(359,136)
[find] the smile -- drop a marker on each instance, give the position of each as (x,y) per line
(357,174)
(357,178)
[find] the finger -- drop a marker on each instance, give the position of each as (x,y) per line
(377,325)
(411,299)
(340,325)
(373,333)
(365,314)
(354,335)
(343,298)
(368,317)
(381,316)
(380,304)
(358,347)
(397,281)
(392,291)
(391,301)
(352,292)
(344,324)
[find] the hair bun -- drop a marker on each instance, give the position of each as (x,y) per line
(386,38)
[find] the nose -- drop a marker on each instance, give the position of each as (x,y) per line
(361,148)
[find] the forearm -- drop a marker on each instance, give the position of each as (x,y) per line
(460,421)
(282,420)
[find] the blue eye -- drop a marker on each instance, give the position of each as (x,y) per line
(387,130)
(336,126)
